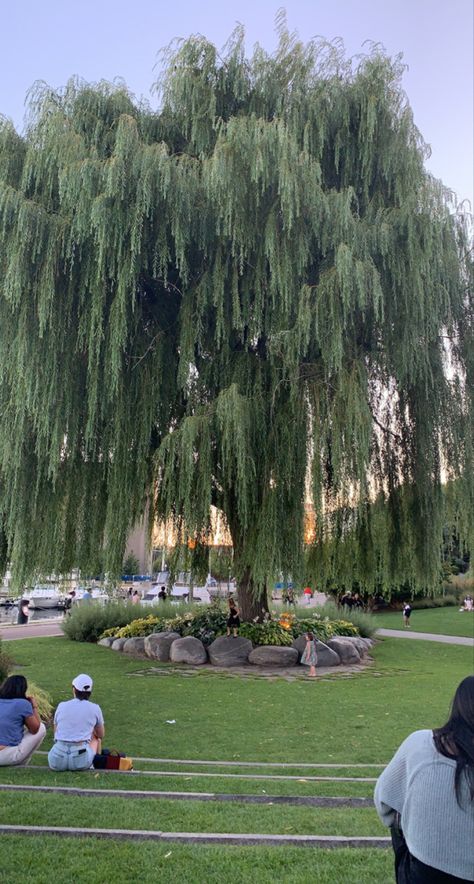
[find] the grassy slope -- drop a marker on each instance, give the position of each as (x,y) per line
(441,621)
(358,719)
(96,862)
(362,718)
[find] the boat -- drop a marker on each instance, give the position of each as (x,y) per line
(97,595)
(42,598)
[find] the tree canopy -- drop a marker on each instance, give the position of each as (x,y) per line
(252,297)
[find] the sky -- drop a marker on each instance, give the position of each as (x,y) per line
(53,40)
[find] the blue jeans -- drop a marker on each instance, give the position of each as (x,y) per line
(70,756)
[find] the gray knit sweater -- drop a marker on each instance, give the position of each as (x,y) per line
(419,784)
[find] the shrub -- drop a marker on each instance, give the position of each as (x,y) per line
(44,701)
(143,626)
(270,632)
(86,623)
(5,663)
(365,623)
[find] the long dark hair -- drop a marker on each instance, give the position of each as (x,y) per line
(456,738)
(14,688)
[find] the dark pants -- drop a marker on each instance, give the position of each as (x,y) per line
(410,870)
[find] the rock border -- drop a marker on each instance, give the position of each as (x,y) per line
(229,652)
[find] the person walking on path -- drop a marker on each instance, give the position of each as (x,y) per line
(78,729)
(23,612)
(309,656)
(233,620)
(136,597)
(426,797)
(308,594)
(406,615)
(21,729)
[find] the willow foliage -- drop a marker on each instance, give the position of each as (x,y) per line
(255,294)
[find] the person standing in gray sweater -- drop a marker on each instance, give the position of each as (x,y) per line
(426,796)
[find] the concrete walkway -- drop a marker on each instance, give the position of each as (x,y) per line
(426,636)
(38,629)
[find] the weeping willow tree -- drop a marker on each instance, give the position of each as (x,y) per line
(253,298)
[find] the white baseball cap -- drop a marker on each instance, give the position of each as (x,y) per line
(82,682)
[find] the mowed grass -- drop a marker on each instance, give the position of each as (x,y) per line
(335,719)
(350,720)
(93,861)
(439,621)
(34,809)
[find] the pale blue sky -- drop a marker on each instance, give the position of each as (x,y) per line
(52,40)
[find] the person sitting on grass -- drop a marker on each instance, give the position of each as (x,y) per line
(21,729)
(426,797)
(78,729)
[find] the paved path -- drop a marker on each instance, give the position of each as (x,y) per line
(427,636)
(39,629)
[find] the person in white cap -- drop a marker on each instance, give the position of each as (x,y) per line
(78,729)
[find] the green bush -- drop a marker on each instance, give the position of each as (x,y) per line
(142,626)
(86,623)
(268,633)
(43,700)
(365,623)
(5,663)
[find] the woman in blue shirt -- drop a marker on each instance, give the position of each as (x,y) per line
(21,729)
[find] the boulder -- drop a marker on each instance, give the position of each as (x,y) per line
(230,650)
(118,643)
(134,645)
(271,655)
(158,644)
(326,657)
(188,650)
(346,650)
(106,642)
(359,643)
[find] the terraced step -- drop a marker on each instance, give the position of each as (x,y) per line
(321,841)
(308,800)
(240,776)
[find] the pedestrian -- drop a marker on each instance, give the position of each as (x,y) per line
(406,615)
(233,620)
(68,602)
(309,656)
(21,729)
(426,797)
(86,596)
(78,729)
(162,594)
(23,612)
(136,597)
(308,594)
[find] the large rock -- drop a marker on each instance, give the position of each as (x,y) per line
(188,650)
(270,655)
(362,644)
(230,650)
(106,642)
(118,643)
(158,644)
(134,646)
(326,657)
(346,650)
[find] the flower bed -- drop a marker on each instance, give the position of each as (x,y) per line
(208,623)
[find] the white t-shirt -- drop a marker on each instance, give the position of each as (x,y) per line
(76,719)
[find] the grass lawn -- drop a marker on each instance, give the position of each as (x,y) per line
(358,719)
(97,862)
(441,621)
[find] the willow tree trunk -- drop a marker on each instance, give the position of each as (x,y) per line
(253,600)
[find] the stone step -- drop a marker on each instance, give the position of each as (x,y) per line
(225,776)
(307,800)
(276,764)
(321,841)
